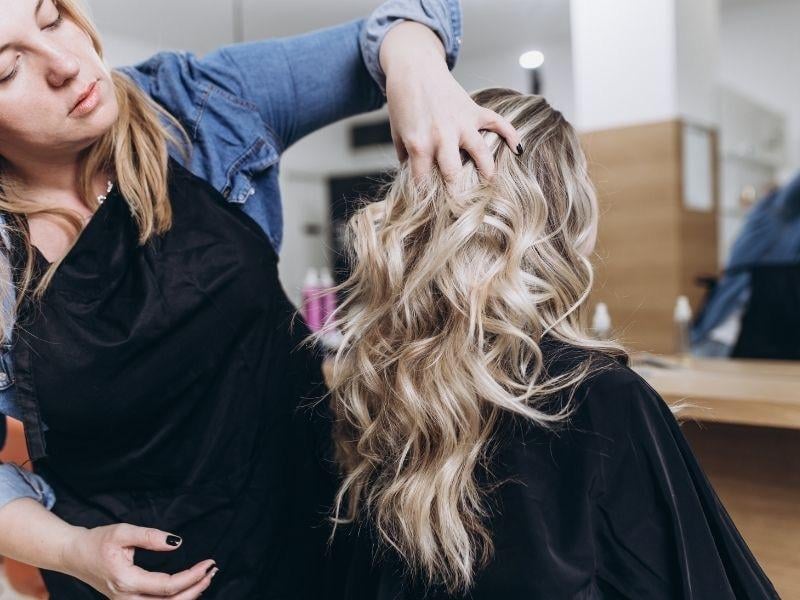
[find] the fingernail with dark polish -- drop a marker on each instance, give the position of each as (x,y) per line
(173,540)
(208,570)
(519,149)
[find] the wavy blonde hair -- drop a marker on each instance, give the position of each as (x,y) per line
(134,150)
(451,292)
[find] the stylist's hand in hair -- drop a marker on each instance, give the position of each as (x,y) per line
(103,558)
(432,117)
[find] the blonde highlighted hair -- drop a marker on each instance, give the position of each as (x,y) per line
(134,151)
(453,288)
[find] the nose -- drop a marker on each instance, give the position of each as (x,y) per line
(62,66)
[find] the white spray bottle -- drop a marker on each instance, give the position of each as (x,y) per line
(683,318)
(601,322)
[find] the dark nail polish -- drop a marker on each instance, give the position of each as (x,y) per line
(173,540)
(209,569)
(519,149)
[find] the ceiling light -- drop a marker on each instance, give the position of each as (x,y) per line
(531,60)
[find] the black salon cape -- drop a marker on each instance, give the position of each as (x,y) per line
(177,395)
(614,506)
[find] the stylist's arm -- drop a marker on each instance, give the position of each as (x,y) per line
(432,116)
(102,557)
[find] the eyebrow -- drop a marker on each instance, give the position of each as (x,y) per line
(35,15)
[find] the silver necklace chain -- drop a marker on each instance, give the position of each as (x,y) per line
(102,197)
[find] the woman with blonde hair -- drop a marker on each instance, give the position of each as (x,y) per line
(490,448)
(153,363)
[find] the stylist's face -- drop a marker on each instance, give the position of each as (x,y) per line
(47,66)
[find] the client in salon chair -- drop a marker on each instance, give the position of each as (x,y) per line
(490,447)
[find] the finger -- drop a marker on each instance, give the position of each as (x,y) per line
(161,585)
(491,121)
(400,149)
(421,165)
(149,538)
(196,590)
(448,158)
(477,148)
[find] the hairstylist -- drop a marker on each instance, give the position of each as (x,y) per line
(154,367)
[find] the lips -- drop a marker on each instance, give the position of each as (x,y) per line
(84,95)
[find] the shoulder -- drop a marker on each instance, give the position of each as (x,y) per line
(609,406)
(608,383)
(615,415)
(171,71)
(605,381)
(232,146)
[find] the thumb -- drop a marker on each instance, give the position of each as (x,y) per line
(148,538)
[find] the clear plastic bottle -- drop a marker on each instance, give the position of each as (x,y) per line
(683,320)
(601,322)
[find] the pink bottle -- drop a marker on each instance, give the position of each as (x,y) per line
(312,300)
(328,296)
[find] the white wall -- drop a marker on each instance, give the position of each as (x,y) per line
(760,57)
(624,61)
(639,61)
(120,50)
(697,64)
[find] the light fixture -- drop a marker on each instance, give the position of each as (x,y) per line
(532,59)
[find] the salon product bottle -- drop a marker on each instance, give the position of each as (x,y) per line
(683,319)
(328,296)
(601,322)
(312,301)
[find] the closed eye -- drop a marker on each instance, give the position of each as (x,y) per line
(57,22)
(11,75)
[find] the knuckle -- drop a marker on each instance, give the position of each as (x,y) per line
(151,535)
(449,173)
(108,552)
(476,143)
(118,585)
(417,144)
(122,531)
(490,117)
(114,533)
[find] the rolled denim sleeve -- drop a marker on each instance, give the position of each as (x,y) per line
(300,84)
(442,16)
(16,483)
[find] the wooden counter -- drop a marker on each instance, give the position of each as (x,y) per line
(743,392)
(746,435)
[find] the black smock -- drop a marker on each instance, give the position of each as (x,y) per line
(614,506)
(175,397)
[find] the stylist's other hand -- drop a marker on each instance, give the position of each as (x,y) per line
(103,558)
(432,117)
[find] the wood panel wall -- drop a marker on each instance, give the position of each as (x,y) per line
(650,247)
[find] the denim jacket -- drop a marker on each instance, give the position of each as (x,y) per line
(242,106)
(770,235)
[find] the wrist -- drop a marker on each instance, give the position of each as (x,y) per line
(411,45)
(69,552)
